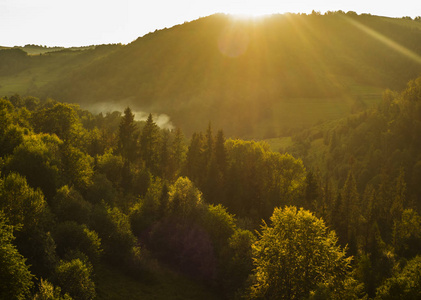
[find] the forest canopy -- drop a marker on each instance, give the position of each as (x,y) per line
(125,195)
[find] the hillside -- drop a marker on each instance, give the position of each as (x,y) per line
(24,70)
(254,78)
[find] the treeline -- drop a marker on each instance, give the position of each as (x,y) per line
(78,191)
(366,181)
(13,61)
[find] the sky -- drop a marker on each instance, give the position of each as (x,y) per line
(92,22)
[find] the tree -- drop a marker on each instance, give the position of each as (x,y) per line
(6,110)
(69,205)
(74,277)
(350,211)
(12,137)
(72,237)
(296,256)
(398,203)
(24,206)
(209,145)
(149,145)
(15,278)
(407,234)
(405,284)
(38,154)
(196,159)
(237,263)
(47,291)
(117,239)
(185,200)
(112,166)
(177,155)
(311,191)
(61,119)
(164,156)
(77,167)
(27,209)
(126,136)
(220,152)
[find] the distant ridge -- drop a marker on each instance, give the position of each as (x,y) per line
(254,78)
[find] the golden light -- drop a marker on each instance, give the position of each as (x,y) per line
(233,41)
(387,41)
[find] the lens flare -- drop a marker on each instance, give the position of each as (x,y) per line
(233,41)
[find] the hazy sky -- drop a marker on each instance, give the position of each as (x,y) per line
(88,22)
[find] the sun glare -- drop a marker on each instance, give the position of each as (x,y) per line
(249,10)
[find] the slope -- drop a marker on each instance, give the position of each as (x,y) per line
(254,78)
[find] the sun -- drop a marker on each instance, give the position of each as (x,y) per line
(250,9)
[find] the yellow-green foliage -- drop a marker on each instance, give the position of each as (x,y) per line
(296,256)
(16,280)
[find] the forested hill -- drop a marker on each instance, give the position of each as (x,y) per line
(252,77)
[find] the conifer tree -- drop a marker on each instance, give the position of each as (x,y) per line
(196,161)
(126,136)
(149,145)
(398,201)
(220,152)
(350,211)
(164,157)
(177,154)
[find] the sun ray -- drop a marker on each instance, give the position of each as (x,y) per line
(385,40)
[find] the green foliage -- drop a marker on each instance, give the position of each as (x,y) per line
(237,263)
(149,145)
(77,167)
(47,291)
(149,209)
(15,277)
(24,206)
(112,166)
(27,209)
(187,222)
(69,205)
(101,190)
(177,155)
(126,136)
(6,109)
(113,227)
(72,237)
(405,284)
(349,212)
(258,179)
(61,119)
(219,224)
(407,234)
(12,137)
(74,278)
(297,255)
(185,200)
(38,154)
